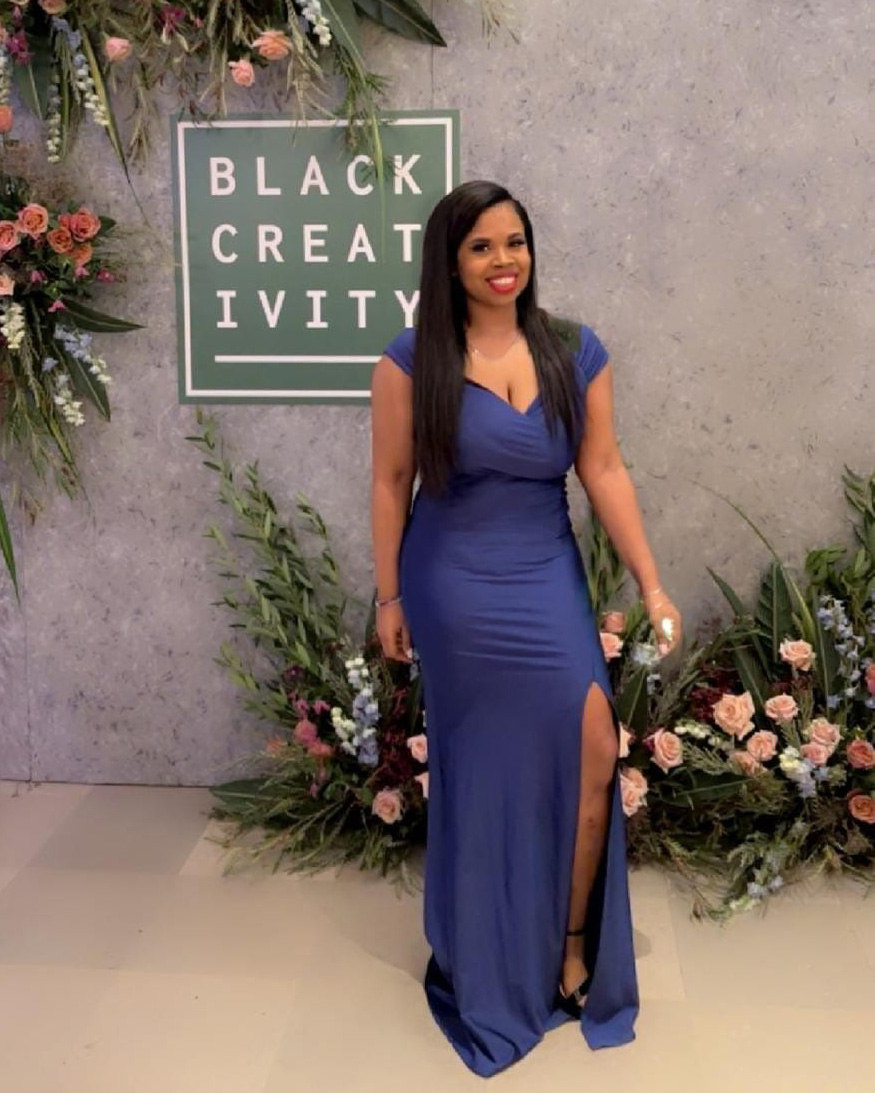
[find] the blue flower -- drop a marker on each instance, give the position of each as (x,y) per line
(49,363)
(369,754)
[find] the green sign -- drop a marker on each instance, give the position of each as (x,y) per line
(293,269)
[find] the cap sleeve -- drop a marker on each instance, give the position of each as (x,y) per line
(592,355)
(400,349)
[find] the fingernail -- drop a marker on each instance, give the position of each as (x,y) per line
(409,652)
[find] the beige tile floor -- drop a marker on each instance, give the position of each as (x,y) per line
(130,964)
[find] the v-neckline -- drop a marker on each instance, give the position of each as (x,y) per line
(504,401)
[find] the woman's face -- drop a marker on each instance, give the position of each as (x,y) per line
(494,262)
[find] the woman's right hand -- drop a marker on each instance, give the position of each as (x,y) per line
(393,633)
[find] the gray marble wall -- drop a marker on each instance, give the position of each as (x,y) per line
(700,179)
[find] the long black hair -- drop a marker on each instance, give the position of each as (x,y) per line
(439,355)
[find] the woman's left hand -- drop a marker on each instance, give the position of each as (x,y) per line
(665,620)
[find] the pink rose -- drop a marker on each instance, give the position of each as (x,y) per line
(625,740)
(748,763)
(6,118)
(861,754)
(798,654)
(418,747)
(633,789)
(37,277)
(862,807)
(117,49)
(10,233)
(305,732)
(781,707)
(7,285)
(668,751)
(611,644)
(320,749)
(614,622)
(57,305)
(387,805)
(272,45)
(423,781)
(734,713)
(824,732)
(762,745)
(33,220)
(817,753)
(870,678)
(242,72)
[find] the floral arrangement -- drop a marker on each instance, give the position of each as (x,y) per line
(760,761)
(69,55)
(50,259)
(755,762)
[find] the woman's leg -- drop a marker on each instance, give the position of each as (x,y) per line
(598,757)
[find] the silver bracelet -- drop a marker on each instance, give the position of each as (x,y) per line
(385,603)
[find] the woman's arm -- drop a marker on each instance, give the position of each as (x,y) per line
(609,487)
(393,469)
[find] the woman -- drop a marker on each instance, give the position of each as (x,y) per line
(526,890)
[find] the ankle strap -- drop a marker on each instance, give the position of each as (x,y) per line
(572,933)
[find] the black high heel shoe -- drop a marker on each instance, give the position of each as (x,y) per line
(572,1003)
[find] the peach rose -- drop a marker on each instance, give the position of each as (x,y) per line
(10,233)
(748,763)
(870,678)
(817,753)
(418,747)
(320,749)
(668,751)
(272,45)
(387,805)
(83,225)
(614,622)
(633,789)
(734,713)
(824,732)
(781,707)
(82,254)
(798,654)
(625,740)
(762,745)
(862,807)
(60,240)
(242,72)
(6,118)
(6,284)
(611,644)
(305,732)
(861,754)
(117,49)
(275,745)
(33,220)
(423,781)
(53,7)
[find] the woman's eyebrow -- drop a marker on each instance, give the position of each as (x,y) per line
(488,238)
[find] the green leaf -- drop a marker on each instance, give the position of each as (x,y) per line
(6,548)
(740,613)
(33,79)
(826,661)
(631,703)
(84,382)
(404,17)
(86,318)
(344,25)
(103,95)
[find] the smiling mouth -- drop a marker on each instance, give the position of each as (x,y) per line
(503,282)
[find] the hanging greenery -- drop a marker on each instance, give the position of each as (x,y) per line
(51,260)
(68,57)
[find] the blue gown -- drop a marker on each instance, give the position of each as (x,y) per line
(496,600)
